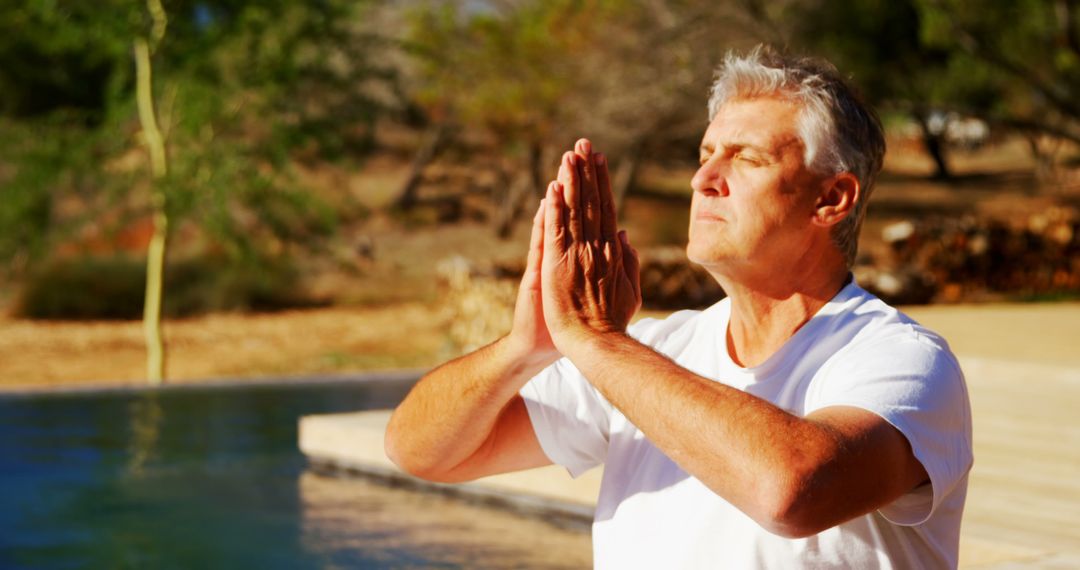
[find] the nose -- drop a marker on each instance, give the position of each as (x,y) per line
(711,178)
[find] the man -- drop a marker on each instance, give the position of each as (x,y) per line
(801,422)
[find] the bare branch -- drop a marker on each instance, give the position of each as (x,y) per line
(989,53)
(1037,126)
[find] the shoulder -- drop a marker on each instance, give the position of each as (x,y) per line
(867,323)
(886,354)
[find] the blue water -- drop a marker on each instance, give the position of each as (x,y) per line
(212,478)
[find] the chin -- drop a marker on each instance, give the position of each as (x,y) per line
(702,254)
(716,255)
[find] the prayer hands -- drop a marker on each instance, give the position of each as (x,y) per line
(582,275)
(589,271)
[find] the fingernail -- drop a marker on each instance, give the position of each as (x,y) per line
(623,238)
(599,158)
(586,147)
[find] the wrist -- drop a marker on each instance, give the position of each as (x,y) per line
(586,340)
(526,355)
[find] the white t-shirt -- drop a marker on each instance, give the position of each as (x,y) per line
(856,351)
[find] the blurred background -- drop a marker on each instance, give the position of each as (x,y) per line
(341,185)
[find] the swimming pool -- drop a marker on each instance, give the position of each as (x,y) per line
(212,478)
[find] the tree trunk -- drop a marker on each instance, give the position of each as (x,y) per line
(524,183)
(437,138)
(934,143)
(1045,156)
(511,205)
(625,175)
(159,166)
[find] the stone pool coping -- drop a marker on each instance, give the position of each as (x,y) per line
(351,444)
(106,388)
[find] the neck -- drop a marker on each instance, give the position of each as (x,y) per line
(766,310)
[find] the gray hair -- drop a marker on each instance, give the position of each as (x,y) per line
(838,130)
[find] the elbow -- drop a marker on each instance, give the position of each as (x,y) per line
(788,526)
(396,448)
(790,509)
(393,448)
(411,460)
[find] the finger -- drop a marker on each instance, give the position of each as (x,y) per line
(631,264)
(608,221)
(554,223)
(536,249)
(589,195)
(569,181)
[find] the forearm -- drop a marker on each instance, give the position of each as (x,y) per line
(450,414)
(754,454)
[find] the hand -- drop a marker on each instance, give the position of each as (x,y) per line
(590,282)
(529,330)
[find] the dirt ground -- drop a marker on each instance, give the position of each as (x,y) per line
(49,354)
(411,335)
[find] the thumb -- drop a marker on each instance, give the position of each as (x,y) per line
(536,250)
(554,222)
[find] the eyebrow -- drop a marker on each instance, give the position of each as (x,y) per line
(738,145)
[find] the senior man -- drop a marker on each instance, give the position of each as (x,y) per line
(800,422)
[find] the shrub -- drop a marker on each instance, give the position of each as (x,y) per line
(112,288)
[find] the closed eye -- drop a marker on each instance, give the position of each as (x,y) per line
(750,159)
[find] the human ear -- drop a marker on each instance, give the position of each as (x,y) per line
(837,199)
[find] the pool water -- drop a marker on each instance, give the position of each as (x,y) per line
(212,478)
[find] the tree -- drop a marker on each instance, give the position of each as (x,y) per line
(159,169)
(522,79)
(1032,50)
(1013,64)
(254,88)
(880,44)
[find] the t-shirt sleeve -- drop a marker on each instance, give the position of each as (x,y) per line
(570,418)
(916,385)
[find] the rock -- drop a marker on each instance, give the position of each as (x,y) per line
(898,231)
(969,257)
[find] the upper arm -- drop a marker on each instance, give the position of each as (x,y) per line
(900,409)
(873,463)
(855,463)
(511,445)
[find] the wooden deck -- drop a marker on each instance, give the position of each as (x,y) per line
(1022,364)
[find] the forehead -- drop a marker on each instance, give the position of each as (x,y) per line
(768,122)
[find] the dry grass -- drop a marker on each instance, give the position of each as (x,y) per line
(43,354)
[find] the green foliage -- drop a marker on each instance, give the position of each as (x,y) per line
(1016,64)
(63,54)
(544,71)
(36,158)
(244,90)
(1031,46)
(111,287)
